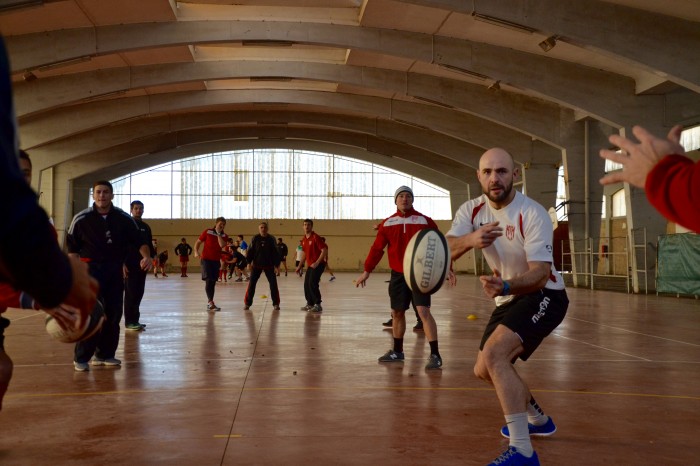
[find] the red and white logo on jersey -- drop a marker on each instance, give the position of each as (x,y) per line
(510,232)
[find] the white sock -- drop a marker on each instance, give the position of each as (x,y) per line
(535,415)
(519,434)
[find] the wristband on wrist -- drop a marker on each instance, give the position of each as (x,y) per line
(506,289)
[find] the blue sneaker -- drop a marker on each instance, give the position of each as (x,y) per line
(511,457)
(545,430)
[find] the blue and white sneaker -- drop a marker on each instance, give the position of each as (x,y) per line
(391,356)
(545,430)
(511,457)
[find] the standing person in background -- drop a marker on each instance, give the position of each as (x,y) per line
(163,261)
(299,258)
(183,251)
(328,267)
(243,249)
(134,275)
(226,261)
(214,240)
(263,257)
(282,251)
(101,235)
(395,232)
(154,245)
(515,235)
(315,251)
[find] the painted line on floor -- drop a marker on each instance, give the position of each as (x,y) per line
(340,389)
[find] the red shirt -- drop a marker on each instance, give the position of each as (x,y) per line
(673,188)
(212,248)
(312,246)
(396,231)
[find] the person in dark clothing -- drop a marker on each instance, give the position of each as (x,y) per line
(263,257)
(135,276)
(183,251)
(101,235)
(282,251)
(162,262)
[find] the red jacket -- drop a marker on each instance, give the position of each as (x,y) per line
(312,246)
(396,231)
(673,188)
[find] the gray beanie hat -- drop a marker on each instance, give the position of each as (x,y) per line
(402,189)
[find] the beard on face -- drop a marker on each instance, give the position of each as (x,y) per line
(505,192)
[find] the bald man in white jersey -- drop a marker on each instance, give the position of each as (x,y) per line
(515,235)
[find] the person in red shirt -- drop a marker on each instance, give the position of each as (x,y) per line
(395,232)
(314,251)
(671,180)
(214,240)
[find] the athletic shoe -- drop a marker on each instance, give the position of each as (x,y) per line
(246,308)
(391,356)
(81,366)
(306,308)
(239,279)
(316,308)
(511,457)
(332,278)
(434,362)
(418,326)
(105,362)
(136,327)
(285,274)
(545,430)
(276,307)
(388,323)
(212,307)
(164,275)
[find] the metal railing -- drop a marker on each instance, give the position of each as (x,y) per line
(604,268)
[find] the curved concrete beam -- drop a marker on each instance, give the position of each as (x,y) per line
(577,87)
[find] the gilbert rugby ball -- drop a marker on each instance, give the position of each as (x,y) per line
(88,328)
(426,261)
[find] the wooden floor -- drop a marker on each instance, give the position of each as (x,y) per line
(620,377)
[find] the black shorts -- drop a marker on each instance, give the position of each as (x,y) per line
(532,316)
(401,295)
(210,269)
(4,323)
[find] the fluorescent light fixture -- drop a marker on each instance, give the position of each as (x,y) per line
(59,64)
(548,44)
(457,69)
(504,23)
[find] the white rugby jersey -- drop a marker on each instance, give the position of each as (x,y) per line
(527,236)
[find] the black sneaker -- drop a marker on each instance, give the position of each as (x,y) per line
(418,326)
(391,356)
(388,323)
(434,362)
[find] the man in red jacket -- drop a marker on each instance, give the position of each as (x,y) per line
(214,240)
(315,252)
(671,180)
(395,232)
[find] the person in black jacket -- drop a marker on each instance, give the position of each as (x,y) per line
(183,251)
(282,251)
(101,235)
(263,257)
(135,276)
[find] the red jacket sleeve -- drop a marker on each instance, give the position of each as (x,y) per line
(376,252)
(673,188)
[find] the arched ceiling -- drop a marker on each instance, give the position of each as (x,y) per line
(107,87)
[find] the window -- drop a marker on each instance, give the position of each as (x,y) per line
(274,183)
(619,208)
